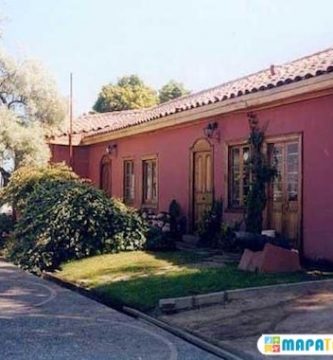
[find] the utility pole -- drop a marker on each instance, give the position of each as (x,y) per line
(70,135)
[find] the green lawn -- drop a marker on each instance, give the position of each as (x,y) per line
(139,279)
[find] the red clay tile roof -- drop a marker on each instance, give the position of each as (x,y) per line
(279,75)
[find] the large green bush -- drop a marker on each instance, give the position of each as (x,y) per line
(63,219)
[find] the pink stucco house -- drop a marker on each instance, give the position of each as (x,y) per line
(194,149)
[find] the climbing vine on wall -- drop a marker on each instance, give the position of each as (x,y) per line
(262,173)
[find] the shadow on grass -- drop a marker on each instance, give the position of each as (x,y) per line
(143,293)
(142,265)
(178,257)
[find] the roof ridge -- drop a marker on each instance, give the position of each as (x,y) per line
(308,56)
(321,62)
(200,92)
(116,112)
(244,77)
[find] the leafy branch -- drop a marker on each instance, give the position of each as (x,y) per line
(262,173)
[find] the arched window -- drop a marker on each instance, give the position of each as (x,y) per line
(106,175)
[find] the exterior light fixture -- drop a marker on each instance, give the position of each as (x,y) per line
(253,120)
(111,149)
(211,131)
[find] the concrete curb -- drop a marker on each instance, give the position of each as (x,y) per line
(239,294)
(80,290)
(171,305)
(66,284)
(223,353)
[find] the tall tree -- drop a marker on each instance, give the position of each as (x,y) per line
(130,92)
(30,107)
(172,90)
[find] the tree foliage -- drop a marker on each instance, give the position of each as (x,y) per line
(30,106)
(172,90)
(130,92)
(23,144)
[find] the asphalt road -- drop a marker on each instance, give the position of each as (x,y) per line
(40,320)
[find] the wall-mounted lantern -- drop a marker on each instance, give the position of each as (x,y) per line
(111,149)
(211,131)
(253,120)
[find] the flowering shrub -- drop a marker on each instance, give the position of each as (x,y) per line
(165,228)
(158,235)
(160,221)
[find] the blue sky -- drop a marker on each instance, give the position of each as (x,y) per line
(200,42)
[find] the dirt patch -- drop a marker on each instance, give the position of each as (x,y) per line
(241,322)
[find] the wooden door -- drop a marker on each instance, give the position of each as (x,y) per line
(202,182)
(106,175)
(284,201)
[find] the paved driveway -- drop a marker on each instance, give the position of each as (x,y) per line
(40,320)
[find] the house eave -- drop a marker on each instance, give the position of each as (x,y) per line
(286,94)
(63,140)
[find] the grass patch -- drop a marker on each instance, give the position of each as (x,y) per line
(139,279)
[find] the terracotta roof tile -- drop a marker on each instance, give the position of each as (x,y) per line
(278,75)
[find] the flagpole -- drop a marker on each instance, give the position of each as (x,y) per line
(70,135)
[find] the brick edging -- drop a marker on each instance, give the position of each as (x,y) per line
(170,305)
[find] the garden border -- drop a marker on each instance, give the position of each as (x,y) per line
(171,305)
